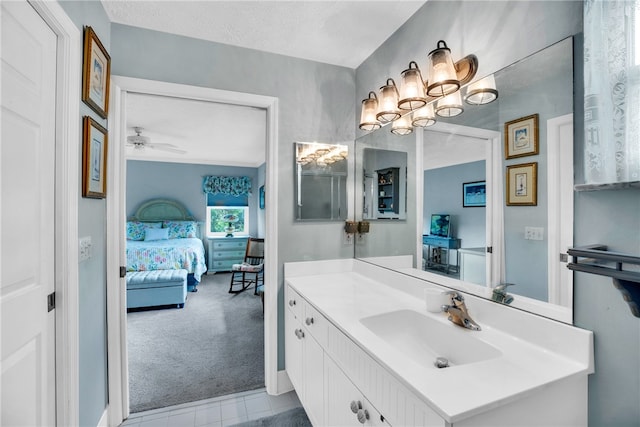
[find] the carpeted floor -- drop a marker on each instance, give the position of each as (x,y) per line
(212,347)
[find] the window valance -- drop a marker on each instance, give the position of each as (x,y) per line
(228,185)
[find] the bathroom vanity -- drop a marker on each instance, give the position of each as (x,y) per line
(360,348)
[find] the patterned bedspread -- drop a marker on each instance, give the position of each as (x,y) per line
(172,254)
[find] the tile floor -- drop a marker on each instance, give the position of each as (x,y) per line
(217,412)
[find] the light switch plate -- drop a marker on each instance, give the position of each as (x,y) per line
(85,246)
(533,233)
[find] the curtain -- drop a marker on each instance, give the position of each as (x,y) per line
(227,185)
(612,91)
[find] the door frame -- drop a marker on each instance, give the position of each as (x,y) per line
(67,140)
(116,216)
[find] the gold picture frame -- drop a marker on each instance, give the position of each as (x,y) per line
(521,137)
(96,73)
(94,159)
(522,184)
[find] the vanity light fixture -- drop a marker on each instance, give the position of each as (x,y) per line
(450,105)
(482,92)
(402,126)
(412,95)
(417,102)
(424,116)
(388,110)
(443,78)
(368,119)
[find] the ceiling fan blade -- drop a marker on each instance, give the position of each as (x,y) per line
(165,147)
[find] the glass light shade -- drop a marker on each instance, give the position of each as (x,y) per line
(388,109)
(402,126)
(442,73)
(368,119)
(424,116)
(482,92)
(322,151)
(450,105)
(411,88)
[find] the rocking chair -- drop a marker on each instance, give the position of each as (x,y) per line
(251,271)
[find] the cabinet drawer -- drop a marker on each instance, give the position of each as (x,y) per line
(235,255)
(316,324)
(222,264)
(222,245)
(293,301)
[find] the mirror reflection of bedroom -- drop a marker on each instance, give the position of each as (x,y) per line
(194,203)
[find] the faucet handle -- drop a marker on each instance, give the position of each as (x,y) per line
(455,296)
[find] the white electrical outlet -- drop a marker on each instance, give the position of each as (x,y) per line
(533,233)
(85,248)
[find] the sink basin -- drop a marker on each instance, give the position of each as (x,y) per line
(424,339)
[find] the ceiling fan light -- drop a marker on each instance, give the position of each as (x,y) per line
(402,126)
(450,105)
(424,116)
(482,92)
(411,88)
(368,119)
(443,79)
(388,103)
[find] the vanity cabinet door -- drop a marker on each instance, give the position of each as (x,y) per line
(293,349)
(343,398)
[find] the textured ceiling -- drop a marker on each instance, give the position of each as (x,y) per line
(334,32)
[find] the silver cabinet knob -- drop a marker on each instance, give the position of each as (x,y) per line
(309,321)
(292,302)
(363,416)
(299,333)
(355,406)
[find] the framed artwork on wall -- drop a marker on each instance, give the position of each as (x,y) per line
(96,73)
(94,159)
(521,137)
(474,194)
(522,184)
(261,196)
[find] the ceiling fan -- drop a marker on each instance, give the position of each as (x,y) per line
(139,142)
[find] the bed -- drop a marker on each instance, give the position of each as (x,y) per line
(162,235)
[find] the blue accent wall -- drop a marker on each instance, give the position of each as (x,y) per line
(92,292)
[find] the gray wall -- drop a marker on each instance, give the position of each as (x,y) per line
(92,292)
(183,183)
(316,103)
(500,33)
(443,194)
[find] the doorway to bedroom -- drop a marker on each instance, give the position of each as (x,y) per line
(214,345)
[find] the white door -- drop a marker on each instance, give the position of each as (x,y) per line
(27,156)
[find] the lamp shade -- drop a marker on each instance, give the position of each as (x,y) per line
(402,125)
(482,92)
(368,119)
(411,88)
(450,105)
(442,73)
(424,116)
(388,109)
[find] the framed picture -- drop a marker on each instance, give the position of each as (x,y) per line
(261,197)
(474,194)
(94,159)
(440,225)
(521,137)
(522,184)
(96,71)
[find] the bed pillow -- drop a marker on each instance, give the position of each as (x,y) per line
(135,229)
(181,229)
(151,234)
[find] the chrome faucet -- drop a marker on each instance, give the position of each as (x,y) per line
(500,294)
(458,313)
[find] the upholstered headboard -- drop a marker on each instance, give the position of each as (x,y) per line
(161,209)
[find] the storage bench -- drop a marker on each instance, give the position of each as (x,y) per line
(156,287)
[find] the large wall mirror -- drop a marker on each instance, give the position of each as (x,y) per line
(462,173)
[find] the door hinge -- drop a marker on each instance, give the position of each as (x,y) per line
(489,249)
(564,258)
(123,271)
(51,301)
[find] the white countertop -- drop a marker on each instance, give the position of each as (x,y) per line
(458,392)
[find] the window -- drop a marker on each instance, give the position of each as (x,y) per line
(220,219)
